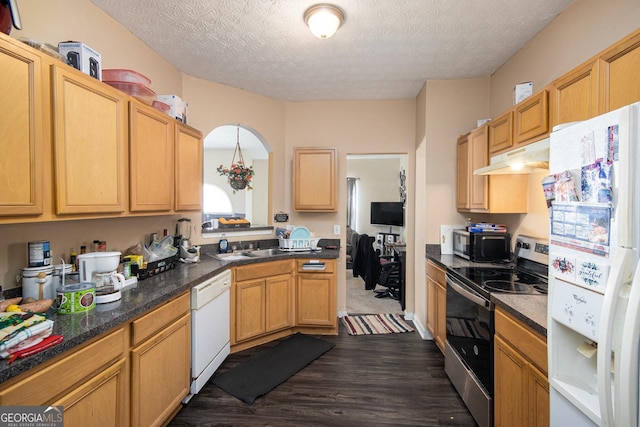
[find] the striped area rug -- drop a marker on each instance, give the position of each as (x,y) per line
(376,324)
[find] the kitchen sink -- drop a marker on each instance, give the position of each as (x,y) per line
(233,256)
(266,252)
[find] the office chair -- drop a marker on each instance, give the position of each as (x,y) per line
(389,278)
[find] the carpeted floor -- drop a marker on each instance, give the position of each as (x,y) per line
(362,301)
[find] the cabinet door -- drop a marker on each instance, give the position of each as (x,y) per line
(151,136)
(478,184)
(249,304)
(501,132)
(161,373)
(441,316)
(462,175)
(538,398)
(531,118)
(278,302)
(315,172)
(188,164)
(90,137)
(316,294)
(574,96)
(619,67)
(432,307)
(100,401)
(510,386)
(21,132)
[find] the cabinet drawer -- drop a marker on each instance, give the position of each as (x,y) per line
(522,338)
(262,270)
(41,387)
(436,273)
(329,265)
(149,324)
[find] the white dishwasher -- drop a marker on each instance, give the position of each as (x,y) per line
(210,329)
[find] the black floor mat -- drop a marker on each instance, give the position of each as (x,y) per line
(249,380)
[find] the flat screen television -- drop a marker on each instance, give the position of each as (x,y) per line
(387,213)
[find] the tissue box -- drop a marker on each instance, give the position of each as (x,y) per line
(177,105)
(522,91)
(82,57)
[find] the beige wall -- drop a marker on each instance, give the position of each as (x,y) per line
(354,127)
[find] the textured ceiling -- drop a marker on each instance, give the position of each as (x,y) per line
(386,49)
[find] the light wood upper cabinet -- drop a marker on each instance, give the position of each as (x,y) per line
(90,143)
(490,194)
(501,132)
(315,172)
(462,165)
(574,96)
(151,140)
(188,168)
(21,131)
(619,70)
(531,118)
(479,157)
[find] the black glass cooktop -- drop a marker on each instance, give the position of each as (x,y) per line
(503,279)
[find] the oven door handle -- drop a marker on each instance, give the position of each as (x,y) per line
(466,293)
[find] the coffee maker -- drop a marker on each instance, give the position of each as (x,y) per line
(182,239)
(101,269)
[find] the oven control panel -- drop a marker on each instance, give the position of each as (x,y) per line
(533,249)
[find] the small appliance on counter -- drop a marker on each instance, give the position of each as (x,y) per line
(182,239)
(485,246)
(101,268)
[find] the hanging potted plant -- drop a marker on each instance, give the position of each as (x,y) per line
(238,175)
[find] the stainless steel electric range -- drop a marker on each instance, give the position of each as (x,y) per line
(470,320)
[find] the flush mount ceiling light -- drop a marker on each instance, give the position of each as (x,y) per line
(323,20)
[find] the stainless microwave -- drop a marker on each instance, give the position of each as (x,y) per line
(482,247)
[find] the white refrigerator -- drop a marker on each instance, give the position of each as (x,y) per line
(593,333)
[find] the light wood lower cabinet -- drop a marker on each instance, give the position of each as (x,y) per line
(262,299)
(437,304)
(110,382)
(98,402)
(521,388)
(91,383)
(316,294)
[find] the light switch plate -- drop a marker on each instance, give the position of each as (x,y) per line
(336,229)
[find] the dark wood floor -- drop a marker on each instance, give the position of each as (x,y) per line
(370,380)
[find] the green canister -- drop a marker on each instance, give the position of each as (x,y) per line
(76,298)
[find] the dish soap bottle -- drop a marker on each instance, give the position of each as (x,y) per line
(222,245)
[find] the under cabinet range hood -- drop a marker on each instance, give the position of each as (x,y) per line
(519,161)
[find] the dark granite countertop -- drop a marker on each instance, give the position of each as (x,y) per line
(531,310)
(146,295)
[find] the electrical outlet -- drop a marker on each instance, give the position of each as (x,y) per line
(336,229)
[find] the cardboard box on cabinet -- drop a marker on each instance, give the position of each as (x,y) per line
(178,106)
(522,91)
(82,57)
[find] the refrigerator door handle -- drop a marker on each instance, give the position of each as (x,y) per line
(628,376)
(621,271)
